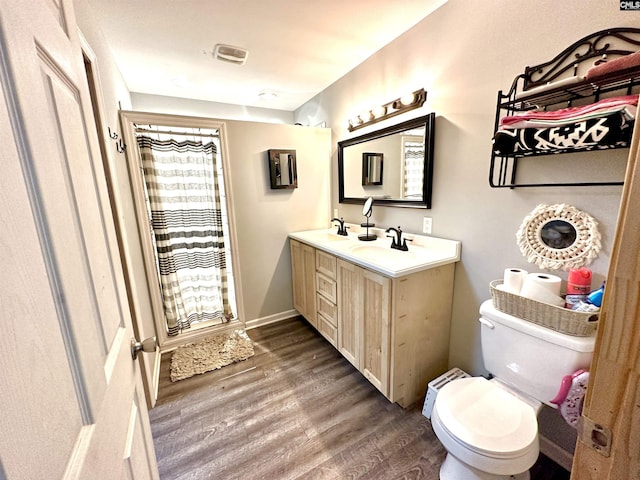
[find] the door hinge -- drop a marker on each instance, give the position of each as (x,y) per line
(596,436)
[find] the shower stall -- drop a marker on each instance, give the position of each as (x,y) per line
(178,172)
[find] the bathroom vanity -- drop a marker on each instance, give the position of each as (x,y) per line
(386,311)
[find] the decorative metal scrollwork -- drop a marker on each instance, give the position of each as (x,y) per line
(595,46)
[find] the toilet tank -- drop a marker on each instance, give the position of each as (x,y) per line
(529,357)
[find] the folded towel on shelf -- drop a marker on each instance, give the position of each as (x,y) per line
(626,104)
(611,66)
(609,131)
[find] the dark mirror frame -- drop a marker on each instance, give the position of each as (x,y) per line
(275,173)
(428,122)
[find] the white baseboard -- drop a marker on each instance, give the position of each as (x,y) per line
(556,453)
(278,317)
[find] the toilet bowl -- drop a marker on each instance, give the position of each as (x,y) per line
(490,427)
(489,433)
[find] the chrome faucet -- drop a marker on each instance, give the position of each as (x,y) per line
(398,243)
(342,230)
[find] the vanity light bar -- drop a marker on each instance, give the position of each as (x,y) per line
(391,109)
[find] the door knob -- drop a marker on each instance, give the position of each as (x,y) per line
(147,345)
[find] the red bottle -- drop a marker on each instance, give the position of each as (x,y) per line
(578,286)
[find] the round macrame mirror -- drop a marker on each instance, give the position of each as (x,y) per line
(559,237)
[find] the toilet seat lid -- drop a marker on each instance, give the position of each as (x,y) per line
(487,418)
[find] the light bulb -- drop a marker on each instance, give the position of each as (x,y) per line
(407,99)
(379,111)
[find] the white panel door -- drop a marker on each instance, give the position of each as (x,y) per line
(71,394)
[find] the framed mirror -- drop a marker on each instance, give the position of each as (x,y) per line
(282,168)
(559,237)
(372,168)
(407,152)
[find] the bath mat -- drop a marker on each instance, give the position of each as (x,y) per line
(209,354)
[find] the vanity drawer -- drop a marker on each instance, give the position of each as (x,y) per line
(327,330)
(326,287)
(326,264)
(328,309)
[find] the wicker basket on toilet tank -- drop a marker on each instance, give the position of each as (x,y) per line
(579,324)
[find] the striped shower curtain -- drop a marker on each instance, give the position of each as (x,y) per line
(186,220)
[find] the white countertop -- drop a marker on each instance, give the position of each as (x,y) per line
(377,255)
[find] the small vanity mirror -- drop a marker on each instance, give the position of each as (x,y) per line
(367,208)
(282,168)
(372,168)
(559,237)
(405,150)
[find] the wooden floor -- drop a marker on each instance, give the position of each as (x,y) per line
(296,410)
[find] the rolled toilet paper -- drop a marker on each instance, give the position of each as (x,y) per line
(513,280)
(542,287)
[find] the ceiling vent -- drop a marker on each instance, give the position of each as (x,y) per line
(230,54)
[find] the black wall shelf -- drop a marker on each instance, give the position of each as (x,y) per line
(534,89)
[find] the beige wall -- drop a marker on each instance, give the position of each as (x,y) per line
(264,216)
(462,55)
(391,147)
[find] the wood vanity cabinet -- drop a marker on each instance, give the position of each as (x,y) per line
(420,325)
(363,322)
(326,296)
(395,331)
(303,267)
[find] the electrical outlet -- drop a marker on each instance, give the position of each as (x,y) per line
(427,223)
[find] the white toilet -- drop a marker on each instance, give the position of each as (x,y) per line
(489,427)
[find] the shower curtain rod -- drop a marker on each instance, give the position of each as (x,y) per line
(183,134)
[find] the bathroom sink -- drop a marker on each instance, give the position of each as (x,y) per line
(322,237)
(329,237)
(380,252)
(377,255)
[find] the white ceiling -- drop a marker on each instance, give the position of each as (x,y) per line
(297,48)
